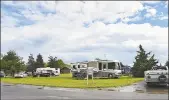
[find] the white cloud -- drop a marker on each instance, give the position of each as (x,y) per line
(166,4)
(151,12)
(137,18)
(150,2)
(164,18)
(65,36)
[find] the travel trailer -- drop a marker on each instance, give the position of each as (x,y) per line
(100,68)
(47,72)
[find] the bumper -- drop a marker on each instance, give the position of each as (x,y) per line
(154,80)
(18,76)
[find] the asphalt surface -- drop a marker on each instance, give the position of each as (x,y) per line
(26,92)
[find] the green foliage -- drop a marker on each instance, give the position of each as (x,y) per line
(11,63)
(39,62)
(52,62)
(31,64)
(45,64)
(143,62)
(60,63)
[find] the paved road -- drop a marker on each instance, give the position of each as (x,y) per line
(24,92)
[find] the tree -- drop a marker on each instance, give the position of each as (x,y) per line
(39,61)
(45,64)
(12,63)
(31,64)
(60,63)
(143,62)
(52,62)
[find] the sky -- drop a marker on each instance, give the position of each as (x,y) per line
(84,30)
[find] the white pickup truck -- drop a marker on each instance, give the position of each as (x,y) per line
(157,75)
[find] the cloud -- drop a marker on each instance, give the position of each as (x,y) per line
(151,12)
(164,18)
(60,32)
(150,2)
(166,4)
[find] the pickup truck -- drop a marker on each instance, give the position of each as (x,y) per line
(157,75)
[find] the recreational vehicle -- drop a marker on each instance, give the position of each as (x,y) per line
(47,72)
(100,68)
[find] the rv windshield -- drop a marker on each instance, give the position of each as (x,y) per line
(159,68)
(111,65)
(74,67)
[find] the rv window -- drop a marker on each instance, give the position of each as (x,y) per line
(83,66)
(111,65)
(104,66)
(49,71)
(119,66)
(100,66)
(78,66)
(74,67)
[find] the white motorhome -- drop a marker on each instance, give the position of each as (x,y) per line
(101,68)
(107,68)
(48,71)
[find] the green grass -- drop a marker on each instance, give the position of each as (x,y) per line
(66,81)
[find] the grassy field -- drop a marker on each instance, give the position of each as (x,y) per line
(66,81)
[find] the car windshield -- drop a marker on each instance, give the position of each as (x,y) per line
(159,68)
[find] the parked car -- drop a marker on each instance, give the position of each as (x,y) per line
(157,76)
(20,75)
(2,74)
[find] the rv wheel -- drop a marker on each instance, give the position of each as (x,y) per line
(110,76)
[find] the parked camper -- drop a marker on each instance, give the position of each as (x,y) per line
(47,72)
(20,75)
(101,68)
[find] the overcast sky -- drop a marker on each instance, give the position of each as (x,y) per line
(78,31)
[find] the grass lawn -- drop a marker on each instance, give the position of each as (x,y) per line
(66,81)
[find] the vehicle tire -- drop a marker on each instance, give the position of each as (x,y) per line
(110,75)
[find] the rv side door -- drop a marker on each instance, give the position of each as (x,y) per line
(104,72)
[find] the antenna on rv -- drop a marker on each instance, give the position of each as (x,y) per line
(105,56)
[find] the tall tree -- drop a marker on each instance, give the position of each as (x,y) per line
(60,63)
(143,62)
(31,64)
(12,63)
(39,61)
(52,62)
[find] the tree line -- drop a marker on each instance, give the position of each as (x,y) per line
(11,63)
